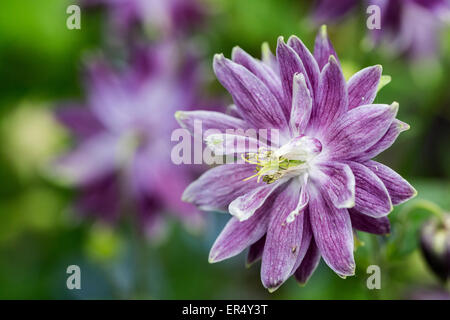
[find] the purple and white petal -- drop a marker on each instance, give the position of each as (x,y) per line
(338,181)
(371,196)
(386,141)
(363,86)
(323,48)
(283,239)
(262,71)
(399,189)
(306,240)
(331,98)
(358,130)
(255,251)
(255,101)
(238,235)
(246,205)
(208,120)
(309,264)
(301,104)
(363,222)
(228,144)
(332,230)
(219,186)
(308,60)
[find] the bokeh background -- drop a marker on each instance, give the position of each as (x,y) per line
(41,234)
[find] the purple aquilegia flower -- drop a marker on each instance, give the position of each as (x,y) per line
(410,27)
(167,16)
(300,200)
(122,161)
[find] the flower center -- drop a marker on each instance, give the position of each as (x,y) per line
(291,159)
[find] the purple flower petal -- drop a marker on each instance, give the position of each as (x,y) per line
(363,86)
(79,119)
(338,181)
(255,101)
(301,104)
(238,235)
(359,129)
(371,196)
(323,48)
(333,233)
(331,98)
(290,64)
(306,240)
(309,264)
(386,141)
(283,239)
(228,144)
(217,187)
(369,224)
(330,10)
(209,120)
(262,71)
(246,205)
(308,60)
(399,189)
(255,251)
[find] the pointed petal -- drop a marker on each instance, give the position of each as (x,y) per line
(255,252)
(308,60)
(283,239)
(363,86)
(246,205)
(208,120)
(331,97)
(290,64)
(338,181)
(217,187)
(237,235)
(369,224)
(301,104)
(358,130)
(332,230)
(309,264)
(228,144)
(262,71)
(371,196)
(386,141)
(323,48)
(399,189)
(254,100)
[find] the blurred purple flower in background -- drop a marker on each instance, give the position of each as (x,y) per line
(318,183)
(122,160)
(408,27)
(165,16)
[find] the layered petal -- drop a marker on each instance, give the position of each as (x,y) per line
(309,264)
(371,196)
(308,60)
(255,101)
(246,205)
(290,64)
(331,98)
(207,120)
(386,141)
(238,235)
(363,86)
(399,189)
(323,48)
(283,239)
(228,144)
(338,181)
(262,71)
(358,130)
(217,187)
(301,104)
(363,222)
(332,230)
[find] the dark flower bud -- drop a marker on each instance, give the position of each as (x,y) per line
(435,244)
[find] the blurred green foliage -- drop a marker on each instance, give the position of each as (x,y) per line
(40,234)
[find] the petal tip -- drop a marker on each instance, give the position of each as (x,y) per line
(323,31)
(180,115)
(273,289)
